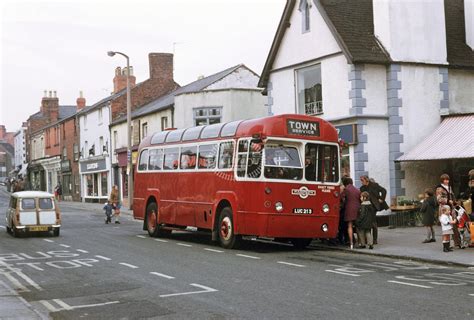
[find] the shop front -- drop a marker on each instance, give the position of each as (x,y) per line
(52,166)
(36,177)
(95,179)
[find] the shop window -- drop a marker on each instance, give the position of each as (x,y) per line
(104,183)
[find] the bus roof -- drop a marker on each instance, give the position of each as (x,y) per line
(285,125)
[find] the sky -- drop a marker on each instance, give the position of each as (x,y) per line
(61,45)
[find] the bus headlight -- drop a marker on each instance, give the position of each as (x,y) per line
(325,208)
(279,206)
(325,228)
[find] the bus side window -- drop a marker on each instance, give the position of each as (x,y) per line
(242,157)
(156,159)
(226,155)
(143,164)
(207,156)
(188,157)
(171,159)
(254,168)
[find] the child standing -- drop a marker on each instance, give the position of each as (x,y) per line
(428,209)
(446,227)
(108,213)
(365,221)
(463,224)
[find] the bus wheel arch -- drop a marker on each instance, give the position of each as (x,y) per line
(224,228)
(151,223)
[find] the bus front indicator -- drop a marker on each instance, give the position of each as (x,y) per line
(325,228)
(279,206)
(325,208)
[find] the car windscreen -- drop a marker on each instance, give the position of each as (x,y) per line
(28,204)
(282,162)
(46,203)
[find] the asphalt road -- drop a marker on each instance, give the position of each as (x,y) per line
(99,271)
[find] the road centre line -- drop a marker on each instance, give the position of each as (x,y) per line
(410,284)
(128,265)
(162,275)
(291,264)
(47,240)
(161,240)
(206,289)
(184,244)
(246,256)
(213,250)
(141,236)
(344,273)
(103,258)
(65,245)
(83,251)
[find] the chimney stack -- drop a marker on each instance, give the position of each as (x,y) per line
(50,106)
(120,79)
(3,132)
(80,102)
(161,65)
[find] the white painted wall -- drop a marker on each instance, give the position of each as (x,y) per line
(461,91)
(241,78)
(20,145)
(469,21)
(297,46)
(375,77)
(412,31)
(93,130)
(236,104)
(37,146)
(377,149)
(421,97)
(335,88)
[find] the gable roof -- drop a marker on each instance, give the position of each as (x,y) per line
(352,25)
(168,99)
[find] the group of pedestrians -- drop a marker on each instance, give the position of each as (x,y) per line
(358,211)
(440,205)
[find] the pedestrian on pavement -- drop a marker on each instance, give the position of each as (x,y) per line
(365,221)
(58,191)
(428,210)
(447,223)
(108,213)
(19,185)
(462,219)
(377,195)
(115,202)
(351,198)
(445,196)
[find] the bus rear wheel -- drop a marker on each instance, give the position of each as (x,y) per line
(300,243)
(152,225)
(227,237)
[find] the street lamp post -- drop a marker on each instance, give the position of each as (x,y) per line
(129,133)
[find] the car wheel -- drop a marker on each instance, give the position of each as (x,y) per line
(300,243)
(227,237)
(56,232)
(152,225)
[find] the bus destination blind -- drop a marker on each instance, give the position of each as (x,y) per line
(302,128)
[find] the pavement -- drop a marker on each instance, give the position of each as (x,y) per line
(399,243)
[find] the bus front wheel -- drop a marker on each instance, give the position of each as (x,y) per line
(152,225)
(227,237)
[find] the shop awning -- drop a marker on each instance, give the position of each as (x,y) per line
(453,139)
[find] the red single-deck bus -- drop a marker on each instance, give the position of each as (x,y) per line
(275,177)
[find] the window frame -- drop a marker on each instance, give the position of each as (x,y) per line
(318,107)
(207,117)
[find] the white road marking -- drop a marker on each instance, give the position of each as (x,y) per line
(140,236)
(47,240)
(246,256)
(291,264)
(29,280)
(103,258)
(65,245)
(95,305)
(471,294)
(161,240)
(83,251)
(17,285)
(206,289)
(63,304)
(410,284)
(128,265)
(49,306)
(20,274)
(162,275)
(213,250)
(344,273)
(184,244)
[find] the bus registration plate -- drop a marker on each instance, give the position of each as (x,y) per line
(303,210)
(38,228)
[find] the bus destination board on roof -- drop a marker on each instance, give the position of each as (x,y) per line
(302,128)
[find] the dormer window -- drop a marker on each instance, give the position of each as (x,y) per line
(305,5)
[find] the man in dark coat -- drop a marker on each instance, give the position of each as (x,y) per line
(377,195)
